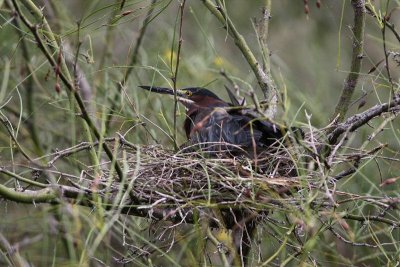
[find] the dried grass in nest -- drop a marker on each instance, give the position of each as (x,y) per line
(158,175)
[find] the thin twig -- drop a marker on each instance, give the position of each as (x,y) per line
(12,253)
(175,76)
(63,72)
(22,179)
(387,67)
(388,24)
(7,124)
(32,125)
(133,60)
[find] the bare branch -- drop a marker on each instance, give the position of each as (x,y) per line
(63,72)
(175,73)
(356,59)
(358,120)
(264,79)
(12,254)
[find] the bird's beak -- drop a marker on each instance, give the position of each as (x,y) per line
(181,95)
(163,90)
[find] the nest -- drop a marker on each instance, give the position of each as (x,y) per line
(158,177)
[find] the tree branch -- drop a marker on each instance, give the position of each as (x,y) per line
(356,59)
(262,26)
(358,120)
(32,125)
(264,79)
(62,70)
(175,73)
(12,253)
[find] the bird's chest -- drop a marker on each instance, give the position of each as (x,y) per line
(203,119)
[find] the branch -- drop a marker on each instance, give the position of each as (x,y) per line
(358,120)
(32,125)
(7,124)
(62,70)
(386,21)
(133,61)
(356,58)
(364,219)
(22,179)
(46,195)
(264,79)
(54,193)
(175,74)
(11,253)
(385,48)
(262,34)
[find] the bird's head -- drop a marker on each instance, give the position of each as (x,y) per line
(192,96)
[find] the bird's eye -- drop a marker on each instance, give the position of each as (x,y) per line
(189,93)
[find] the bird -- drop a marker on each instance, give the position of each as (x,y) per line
(214,125)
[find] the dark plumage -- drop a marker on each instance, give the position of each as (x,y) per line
(216,125)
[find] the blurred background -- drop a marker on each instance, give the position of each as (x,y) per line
(310,58)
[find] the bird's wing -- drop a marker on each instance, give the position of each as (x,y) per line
(235,101)
(271,131)
(219,126)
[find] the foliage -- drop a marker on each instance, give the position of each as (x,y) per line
(92,168)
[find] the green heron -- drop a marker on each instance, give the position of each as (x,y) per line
(216,125)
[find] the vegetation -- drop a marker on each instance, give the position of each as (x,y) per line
(93,171)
